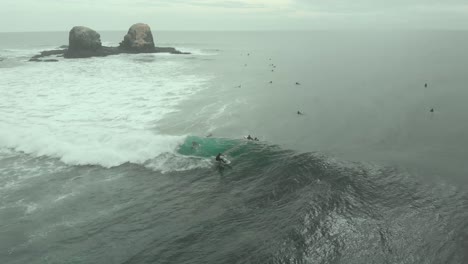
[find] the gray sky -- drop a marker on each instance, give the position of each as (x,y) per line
(61,15)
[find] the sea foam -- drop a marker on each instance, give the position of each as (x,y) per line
(101,111)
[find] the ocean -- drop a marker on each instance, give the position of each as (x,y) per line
(96,164)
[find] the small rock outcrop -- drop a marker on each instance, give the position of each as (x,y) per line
(83,42)
(48,53)
(139,39)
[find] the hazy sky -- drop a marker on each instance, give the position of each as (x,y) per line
(45,15)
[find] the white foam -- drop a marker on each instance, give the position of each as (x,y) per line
(30,208)
(99,111)
(64,196)
(200,52)
(169,162)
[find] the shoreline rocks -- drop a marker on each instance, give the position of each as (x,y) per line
(139,39)
(83,42)
(86,43)
(48,53)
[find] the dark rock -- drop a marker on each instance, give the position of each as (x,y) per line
(46,54)
(52,52)
(139,39)
(83,42)
(168,50)
(101,52)
(46,60)
(84,38)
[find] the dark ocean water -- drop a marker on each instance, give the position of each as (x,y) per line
(90,172)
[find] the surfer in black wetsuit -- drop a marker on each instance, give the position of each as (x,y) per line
(249,137)
(256,139)
(299,113)
(220,158)
(432,110)
(195,144)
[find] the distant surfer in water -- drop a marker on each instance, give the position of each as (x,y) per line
(432,110)
(425,85)
(300,113)
(256,139)
(249,137)
(297,83)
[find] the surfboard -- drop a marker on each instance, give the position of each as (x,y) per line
(226,161)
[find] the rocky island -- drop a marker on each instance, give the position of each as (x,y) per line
(85,43)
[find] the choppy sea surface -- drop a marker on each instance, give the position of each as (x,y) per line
(374,171)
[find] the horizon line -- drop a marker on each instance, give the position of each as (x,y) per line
(250,30)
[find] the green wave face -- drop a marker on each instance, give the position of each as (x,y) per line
(210,147)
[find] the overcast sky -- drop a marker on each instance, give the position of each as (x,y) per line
(61,15)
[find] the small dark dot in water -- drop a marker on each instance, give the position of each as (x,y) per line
(425,85)
(432,110)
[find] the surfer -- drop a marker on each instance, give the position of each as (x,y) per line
(220,158)
(256,139)
(425,85)
(249,137)
(195,144)
(299,113)
(297,83)
(432,110)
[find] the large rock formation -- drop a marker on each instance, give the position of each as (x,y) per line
(139,39)
(83,42)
